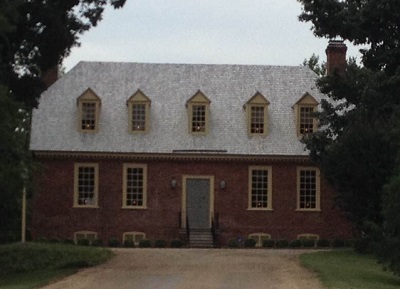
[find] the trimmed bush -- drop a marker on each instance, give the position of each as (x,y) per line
(68,241)
(160,244)
(295,244)
(268,243)
(250,243)
(144,243)
(233,243)
(97,243)
(362,246)
(337,243)
(323,243)
(83,242)
(176,243)
(113,243)
(282,243)
(308,243)
(129,244)
(54,240)
(349,243)
(41,240)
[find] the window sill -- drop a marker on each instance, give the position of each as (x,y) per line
(133,208)
(309,210)
(85,207)
(259,209)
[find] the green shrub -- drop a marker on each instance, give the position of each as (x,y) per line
(144,243)
(295,243)
(83,242)
(41,240)
(31,257)
(323,243)
(54,240)
(282,243)
(129,244)
(176,243)
(97,243)
(337,243)
(268,243)
(113,243)
(68,242)
(362,246)
(250,243)
(233,243)
(160,244)
(349,243)
(308,243)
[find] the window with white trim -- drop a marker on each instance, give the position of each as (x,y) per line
(198,114)
(86,179)
(135,237)
(257,115)
(259,238)
(134,186)
(308,189)
(91,236)
(139,113)
(260,188)
(88,111)
(305,109)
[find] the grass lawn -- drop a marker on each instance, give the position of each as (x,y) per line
(31,265)
(345,269)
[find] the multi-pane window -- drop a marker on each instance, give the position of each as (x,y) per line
(91,236)
(198,118)
(88,112)
(138,117)
(139,113)
(135,186)
(306,119)
(88,119)
(86,185)
(308,189)
(260,188)
(134,237)
(257,120)
(198,114)
(257,115)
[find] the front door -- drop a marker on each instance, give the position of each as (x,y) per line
(198,203)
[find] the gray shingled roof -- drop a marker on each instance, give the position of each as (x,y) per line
(169,86)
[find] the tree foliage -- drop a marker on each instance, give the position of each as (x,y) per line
(35,36)
(358,143)
(38,35)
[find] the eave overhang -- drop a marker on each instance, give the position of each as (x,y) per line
(174,156)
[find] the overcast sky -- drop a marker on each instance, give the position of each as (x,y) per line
(202,31)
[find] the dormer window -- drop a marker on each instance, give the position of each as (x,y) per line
(88,109)
(305,109)
(257,115)
(198,114)
(139,113)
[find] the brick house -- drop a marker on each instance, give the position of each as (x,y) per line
(167,151)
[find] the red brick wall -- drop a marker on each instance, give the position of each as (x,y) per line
(55,217)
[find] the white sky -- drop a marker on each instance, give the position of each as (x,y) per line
(202,31)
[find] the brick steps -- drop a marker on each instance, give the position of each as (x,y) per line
(201,238)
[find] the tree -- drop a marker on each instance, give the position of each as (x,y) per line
(357,145)
(314,65)
(39,36)
(35,37)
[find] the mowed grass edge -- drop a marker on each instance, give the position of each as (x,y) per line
(345,269)
(31,265)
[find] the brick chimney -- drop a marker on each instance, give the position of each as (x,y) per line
(49,76)
(336,57)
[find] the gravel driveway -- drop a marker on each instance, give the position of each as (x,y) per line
(195,269)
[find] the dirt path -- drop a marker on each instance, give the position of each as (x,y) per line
(195,269)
